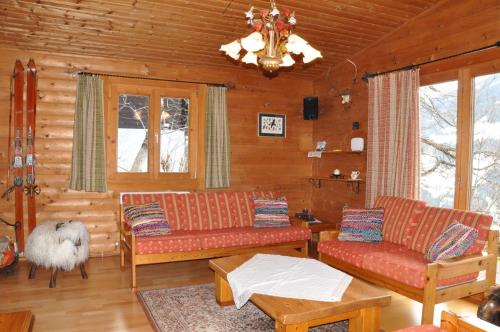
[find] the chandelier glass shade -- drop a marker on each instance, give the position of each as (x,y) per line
(272,42)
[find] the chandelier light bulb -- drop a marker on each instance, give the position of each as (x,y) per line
(288,61)
(232,49)
(295,44)
(310,54)
(253,42)
(250,58)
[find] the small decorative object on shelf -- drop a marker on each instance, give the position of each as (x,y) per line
(357,144)
(305,215)
(321,146)
(336,173)
(355,175)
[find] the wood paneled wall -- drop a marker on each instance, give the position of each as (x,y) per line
(448,28)
(258,163)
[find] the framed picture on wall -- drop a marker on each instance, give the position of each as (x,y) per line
(272,125)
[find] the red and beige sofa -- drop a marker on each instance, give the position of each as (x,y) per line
(204,225)
(398,262)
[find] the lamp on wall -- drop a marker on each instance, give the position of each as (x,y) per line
(273,42)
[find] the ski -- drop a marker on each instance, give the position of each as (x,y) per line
(18,77)
(31,189)
(9,187)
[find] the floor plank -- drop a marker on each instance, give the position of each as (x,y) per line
(104,301)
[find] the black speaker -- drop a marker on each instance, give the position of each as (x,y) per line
(310,108)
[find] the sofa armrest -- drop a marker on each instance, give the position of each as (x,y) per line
(458,266)
(299,222)
(126,229)
(328,235)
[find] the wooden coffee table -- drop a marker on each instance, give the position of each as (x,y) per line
(360,304)
(20,321)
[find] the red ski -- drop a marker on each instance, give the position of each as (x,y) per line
(18,77)
(31,189)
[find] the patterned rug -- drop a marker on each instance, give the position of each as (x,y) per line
(194,309)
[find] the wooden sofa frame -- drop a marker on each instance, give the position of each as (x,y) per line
(127,247)
(450,322)
(431,295)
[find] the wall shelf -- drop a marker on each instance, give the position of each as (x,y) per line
(340,152)
(352,184)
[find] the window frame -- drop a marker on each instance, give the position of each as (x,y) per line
(464,70)
(154,179)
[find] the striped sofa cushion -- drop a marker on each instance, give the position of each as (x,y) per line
(435,220)
(146,219)
(399,215)
(203,210)
(454,242)
(361,225)
(271,212)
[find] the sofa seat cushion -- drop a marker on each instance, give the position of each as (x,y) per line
(399,215)
(353,253)
(182,241)
(175,241)
(248,236)
(435,220)
(275,235)
(230,237)
(387,259)
(405,266)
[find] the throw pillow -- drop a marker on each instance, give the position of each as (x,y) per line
(454,242)
(271,212)
(361,225)
(147,219)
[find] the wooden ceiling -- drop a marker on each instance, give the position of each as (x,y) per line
(190,32)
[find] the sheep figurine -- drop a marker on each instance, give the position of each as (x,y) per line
(58,246)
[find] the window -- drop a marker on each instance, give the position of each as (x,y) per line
(155,134)
(438,132)
(460,138)
(485,185)
(133,116)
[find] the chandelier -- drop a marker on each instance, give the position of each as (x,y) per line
(272,42)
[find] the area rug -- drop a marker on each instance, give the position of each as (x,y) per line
(194,309)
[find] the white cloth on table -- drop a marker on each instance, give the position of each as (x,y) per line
(284,276)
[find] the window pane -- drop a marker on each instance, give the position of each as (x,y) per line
(174,132)
(133,133)
(438,134)
(485,191)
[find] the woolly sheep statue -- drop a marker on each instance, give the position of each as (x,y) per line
(58,245)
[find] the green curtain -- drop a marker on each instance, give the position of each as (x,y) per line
(88,167)
(217,148)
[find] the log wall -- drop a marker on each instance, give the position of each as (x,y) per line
(448,28)
(258,163)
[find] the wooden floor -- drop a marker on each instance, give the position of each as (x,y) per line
(104,302)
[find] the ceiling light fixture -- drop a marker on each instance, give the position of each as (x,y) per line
(272,42)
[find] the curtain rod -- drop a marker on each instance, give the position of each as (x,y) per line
(368,75)
(229,85)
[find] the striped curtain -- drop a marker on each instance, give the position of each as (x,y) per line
(393,136)
(88,167)
(217,148)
